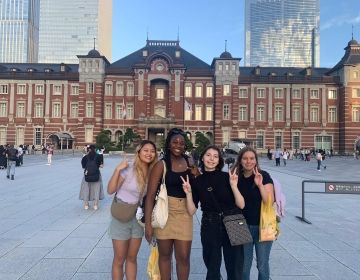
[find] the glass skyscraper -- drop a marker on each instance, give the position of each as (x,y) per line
(282,33)
(68,29)
(19,31)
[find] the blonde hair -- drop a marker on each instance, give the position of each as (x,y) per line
(141,178)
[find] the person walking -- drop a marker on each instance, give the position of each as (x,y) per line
(50,153)
(91,185)
(319,159)
(277,156)
(285,156)
(256,186)
(214,239)
(177,234)
(128,182)
(12,157)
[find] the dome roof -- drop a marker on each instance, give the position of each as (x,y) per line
(94,53)
(353,42)
(226,54)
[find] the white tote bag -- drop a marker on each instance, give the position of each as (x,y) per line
(161,209)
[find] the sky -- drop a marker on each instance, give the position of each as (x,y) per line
(204,25)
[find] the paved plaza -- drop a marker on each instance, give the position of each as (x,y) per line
(46,234)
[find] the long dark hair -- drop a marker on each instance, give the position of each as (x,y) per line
(172,132)
(221,159)
(240,170)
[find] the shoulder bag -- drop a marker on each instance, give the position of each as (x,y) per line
(123,211)
(268,227)
(160,212)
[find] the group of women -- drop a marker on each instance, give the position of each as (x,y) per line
(240,190)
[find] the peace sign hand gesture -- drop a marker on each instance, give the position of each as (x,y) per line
(258,179)
(186,184)
(233,178)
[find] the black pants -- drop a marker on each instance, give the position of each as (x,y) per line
(213,239)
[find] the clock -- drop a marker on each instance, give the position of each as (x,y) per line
(159,67)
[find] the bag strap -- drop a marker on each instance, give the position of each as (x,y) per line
(164,173)
(210,190)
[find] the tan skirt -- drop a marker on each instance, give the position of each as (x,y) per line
(179,225)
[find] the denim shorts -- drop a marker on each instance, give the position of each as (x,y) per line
(125,231)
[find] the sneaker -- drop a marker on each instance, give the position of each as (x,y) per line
(325,167)
(96,207)
(86,206)
(12,177)
(7,176)
(319,170)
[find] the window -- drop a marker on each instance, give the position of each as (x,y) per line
(226,112)
(159,93)
(57,89)
(279,93)
(3,89)
(3,134)
(227,67)
(130,89)
(260,139)
(89,134)
(198,91)
(260,113)
(188,92)
(89,109)
(38,136)
(108,88)
(323,142)
(226,136)
(56,110)
(3,109)
(74,89)
(21,89)
(314,94)
(220,67)
(243,93)
(119,89)
(198,112)
(39,89)
(20,109)
(355,74)
(226,90)
(19,138)
(209,113)
(160,111)
(119,111)
(209,91)
(296,94)
(279,113)
(314,114)
(332,94)
(90,87)
(39,110)
(74,113)
(278,139)
(243,113)
(332,115)
(108,111)
(356,93)
(356,114)
(296,140)
(130,111)
(260,93)
(233,67)
(296,113)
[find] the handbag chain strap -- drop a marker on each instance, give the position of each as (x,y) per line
(210,190)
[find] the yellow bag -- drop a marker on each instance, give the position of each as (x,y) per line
(268,228)
(153,271)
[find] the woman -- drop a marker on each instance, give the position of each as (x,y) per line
(255,185)
(210,185)
(91,191)
(177,234)
(129,183)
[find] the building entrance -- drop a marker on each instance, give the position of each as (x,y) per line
(157,135)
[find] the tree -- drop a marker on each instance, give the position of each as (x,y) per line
(130,136)
(201,142)
(188,144)
(103,140)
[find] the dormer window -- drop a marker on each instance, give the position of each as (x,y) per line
(62,68)
(308,71)
(177,54)
(145,53)
(13,69)
(30,70)
(257,71)
(47,70)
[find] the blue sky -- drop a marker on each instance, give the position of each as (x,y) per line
(204,25)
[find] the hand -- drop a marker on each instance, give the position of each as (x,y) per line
(148,233)
(233,177)
(258,179)
(122,165)
(186,184)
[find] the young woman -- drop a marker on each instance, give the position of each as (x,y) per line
(210,185)
(255,185)
(177,234)
(129,182)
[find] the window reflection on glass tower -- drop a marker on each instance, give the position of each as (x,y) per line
(282,33)
(19,31)
(68,29)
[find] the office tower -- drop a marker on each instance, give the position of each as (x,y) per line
(282,33)
(68,29)
(19,30)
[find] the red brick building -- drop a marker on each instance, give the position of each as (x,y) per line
(162,85)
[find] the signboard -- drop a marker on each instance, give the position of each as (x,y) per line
(344,188)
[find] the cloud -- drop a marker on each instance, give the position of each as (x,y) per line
(339,21)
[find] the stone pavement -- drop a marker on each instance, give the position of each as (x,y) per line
(45,233)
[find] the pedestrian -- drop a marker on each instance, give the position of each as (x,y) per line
(319,159)
(285,156)
(177,234)
(128,182)
(50,153)
(256,186)
(3,163)
(277,156)
(20,156)
(91,185)
(214,238)
(12,157)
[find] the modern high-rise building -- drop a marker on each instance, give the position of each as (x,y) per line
(282,33)
(68,28)
(19,30)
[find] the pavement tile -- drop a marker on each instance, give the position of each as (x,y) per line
(331,270)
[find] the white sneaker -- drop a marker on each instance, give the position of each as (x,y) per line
(86,207)
(95,207)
